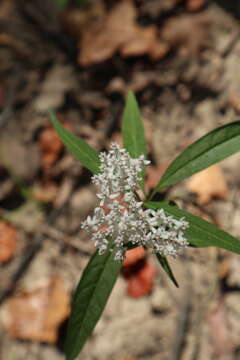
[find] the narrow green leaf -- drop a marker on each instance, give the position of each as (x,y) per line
(90,299)
(133,129)
(200,233)
(166,267)
(83,152)
(208,150)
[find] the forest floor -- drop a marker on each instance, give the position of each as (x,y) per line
(181,58)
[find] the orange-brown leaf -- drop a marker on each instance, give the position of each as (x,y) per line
(50,147)
(108,35)
(8,235)
(208,184)
(37,314)
(141,283)
(134,255)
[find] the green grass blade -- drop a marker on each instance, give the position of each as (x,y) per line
(200,233)
(90,299)
(83,152)
(208,150)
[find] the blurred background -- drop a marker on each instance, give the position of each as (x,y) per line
(80,58)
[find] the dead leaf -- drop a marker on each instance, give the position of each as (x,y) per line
(195,5)
(108,35)
(50,147)
(141,283)
(187,34)
(58,81)
(134,255)
(37,314)
(8,241)
(208,184)
(138,272)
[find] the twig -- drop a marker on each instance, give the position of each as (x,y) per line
(28,256)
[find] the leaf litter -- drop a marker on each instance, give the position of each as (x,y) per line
(84,100)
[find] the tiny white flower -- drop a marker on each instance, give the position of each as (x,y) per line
(121,218)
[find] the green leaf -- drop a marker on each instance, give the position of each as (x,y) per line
(90,299)
(208,150)
(200,233)
(133,129)
(166,267)
(83,152)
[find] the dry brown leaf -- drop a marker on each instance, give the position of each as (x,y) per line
(58,81)
(50,147)
(141,283)
(187,34)
(195,5)
(134,255)
(208,184)
(138,272)
(103,38)
(37,314)
(8,237)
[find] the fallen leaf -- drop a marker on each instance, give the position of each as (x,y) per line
(141,283)
(50,147)
(134,255)
(58,81)
(195,5)
(108,35)
(37,314)
(8,240)
(208,184)
(138,272)
(186,34)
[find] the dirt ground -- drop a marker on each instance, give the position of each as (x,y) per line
(188,90)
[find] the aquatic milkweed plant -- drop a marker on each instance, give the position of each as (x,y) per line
(128,217)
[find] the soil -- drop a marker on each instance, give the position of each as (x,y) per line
(45,194)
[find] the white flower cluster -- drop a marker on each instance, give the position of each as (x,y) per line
(121,218)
